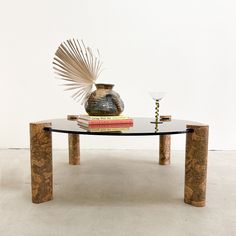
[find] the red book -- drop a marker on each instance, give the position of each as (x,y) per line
(97,122)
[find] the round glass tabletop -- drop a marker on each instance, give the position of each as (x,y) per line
(140,126)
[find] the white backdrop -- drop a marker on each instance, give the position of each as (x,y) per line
(186,48)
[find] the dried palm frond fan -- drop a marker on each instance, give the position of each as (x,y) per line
(75,63)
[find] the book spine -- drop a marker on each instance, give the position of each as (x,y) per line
(108,129)
(94,126)
(97,122)
(104,118)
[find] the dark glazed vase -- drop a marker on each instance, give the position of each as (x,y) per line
(104,101)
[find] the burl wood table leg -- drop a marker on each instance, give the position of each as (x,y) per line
(196,165)
(41,162)
(164,150)
(164,144)
(74,145)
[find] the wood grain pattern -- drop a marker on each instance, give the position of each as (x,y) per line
(165,117)
(164,149)
(196,165)
(164,144)
(74,144)
(41,163)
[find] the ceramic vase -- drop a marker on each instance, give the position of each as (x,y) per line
(104,101)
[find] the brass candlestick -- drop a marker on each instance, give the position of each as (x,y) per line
(156,96)
(156,114)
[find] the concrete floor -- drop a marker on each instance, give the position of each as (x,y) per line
(116,193)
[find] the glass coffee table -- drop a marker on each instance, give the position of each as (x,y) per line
(195,155)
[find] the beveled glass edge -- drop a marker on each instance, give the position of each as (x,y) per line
(118,134)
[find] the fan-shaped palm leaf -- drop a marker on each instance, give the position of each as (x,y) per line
(76,64)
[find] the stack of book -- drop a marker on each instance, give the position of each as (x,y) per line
(105,123)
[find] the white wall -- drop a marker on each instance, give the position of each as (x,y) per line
(185,47)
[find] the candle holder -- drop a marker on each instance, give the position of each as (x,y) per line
(157,96)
